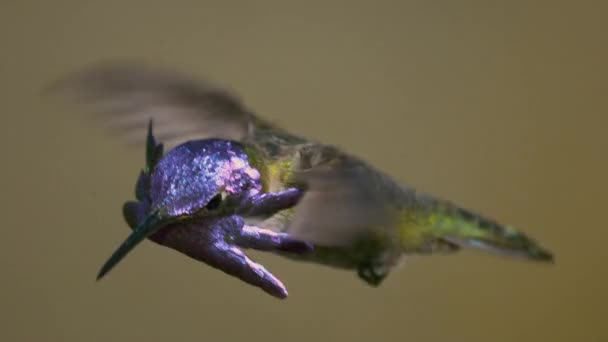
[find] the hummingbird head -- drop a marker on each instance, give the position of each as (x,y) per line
(196,181)
(202,178)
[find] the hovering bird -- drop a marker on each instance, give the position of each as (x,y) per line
(230,179)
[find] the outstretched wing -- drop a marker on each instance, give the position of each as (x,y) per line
(126,95)
(346,199)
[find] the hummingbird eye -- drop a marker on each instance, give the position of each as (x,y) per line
(214,202)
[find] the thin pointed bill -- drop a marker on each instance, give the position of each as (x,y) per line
(150,225)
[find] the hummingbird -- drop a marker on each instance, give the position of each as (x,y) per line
(219,178)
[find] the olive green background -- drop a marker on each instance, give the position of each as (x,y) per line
(499,106)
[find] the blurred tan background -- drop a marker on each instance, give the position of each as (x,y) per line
(500,106)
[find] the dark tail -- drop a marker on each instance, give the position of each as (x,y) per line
(457,227)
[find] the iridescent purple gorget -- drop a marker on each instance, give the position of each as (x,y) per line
(193,200)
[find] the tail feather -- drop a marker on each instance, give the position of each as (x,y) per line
(448,224)
(478,232)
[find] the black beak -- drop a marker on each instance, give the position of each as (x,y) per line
(151,224)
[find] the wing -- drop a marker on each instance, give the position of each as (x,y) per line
(126,95)
(346,199)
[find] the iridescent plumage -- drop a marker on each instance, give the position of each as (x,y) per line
(277,191)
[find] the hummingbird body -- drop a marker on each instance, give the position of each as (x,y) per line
(240,182)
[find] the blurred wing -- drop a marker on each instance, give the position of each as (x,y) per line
(127,95)
(346,199)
